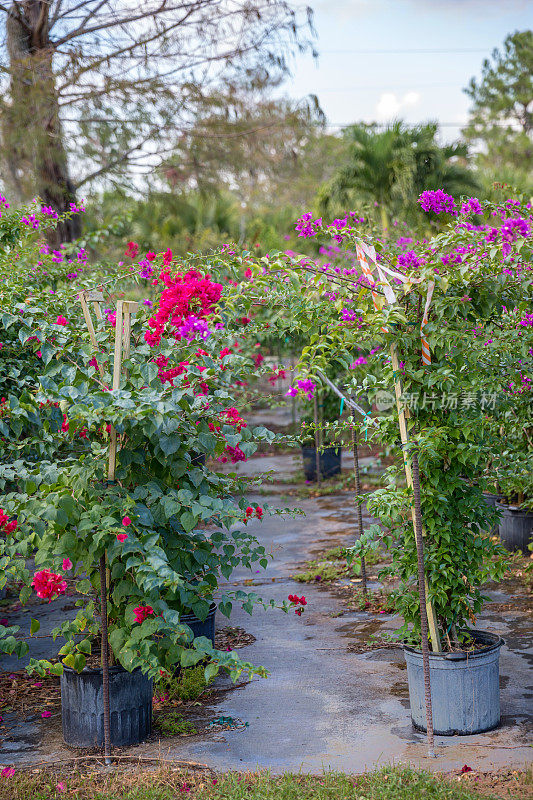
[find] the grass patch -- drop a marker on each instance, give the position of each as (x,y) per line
(332,566)
(187,687)
(398,783)
(174,724)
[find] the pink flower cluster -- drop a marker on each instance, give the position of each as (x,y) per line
(184,295)
(142,612)
(7,525)
(47,584)
(437,201)
(306,386)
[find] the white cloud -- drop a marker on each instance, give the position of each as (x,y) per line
(390,104)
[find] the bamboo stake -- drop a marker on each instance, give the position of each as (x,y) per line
(402,421)
(427,611)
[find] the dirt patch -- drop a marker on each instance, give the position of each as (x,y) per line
(229,638)
(501,783)
(27,694)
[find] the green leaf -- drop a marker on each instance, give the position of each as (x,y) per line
(34,626)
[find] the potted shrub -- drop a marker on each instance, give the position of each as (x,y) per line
(477,271)
(147,548)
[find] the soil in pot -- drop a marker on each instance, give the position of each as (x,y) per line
(516,528)
(330,462)
(465,687)
(82,707)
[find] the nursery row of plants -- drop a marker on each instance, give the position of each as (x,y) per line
(123,387)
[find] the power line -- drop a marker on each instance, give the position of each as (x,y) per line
(421,50)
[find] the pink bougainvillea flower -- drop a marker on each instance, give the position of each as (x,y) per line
(60,787)
(65,426)
(8,772)
(47,584)
(37,685)
(67,564)
(132,249)
(142,612)
(61,321)
(126,521)
(46,714)
(167,257)
(150,256)
(121,537)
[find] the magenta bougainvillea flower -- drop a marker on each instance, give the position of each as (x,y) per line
(131,250)
(47,584)
(142,612)
(67,564)
(121,537)
(126,521)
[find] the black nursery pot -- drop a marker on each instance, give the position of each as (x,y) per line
(330,462)
(492,500)
(516,528)
(200,627)
(82,707)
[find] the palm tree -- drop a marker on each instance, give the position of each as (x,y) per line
(393,166)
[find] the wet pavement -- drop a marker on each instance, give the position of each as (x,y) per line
(323,706)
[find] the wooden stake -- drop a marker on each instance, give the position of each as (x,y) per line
(122,345)
(404,435)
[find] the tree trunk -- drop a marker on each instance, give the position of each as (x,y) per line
(32,129)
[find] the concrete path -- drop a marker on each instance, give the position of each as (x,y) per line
(323,706)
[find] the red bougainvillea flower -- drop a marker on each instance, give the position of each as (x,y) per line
(258,512)
(67,564)
(466,768)
(126,521)
(167,257)
(65,426)
(7,525)
(131,250)
(298,601)
(142,612)
(184,295)
(150,256)
(121,537)
(61,321)
(47,584)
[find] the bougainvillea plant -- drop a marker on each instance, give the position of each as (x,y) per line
(481,267)
(171,528)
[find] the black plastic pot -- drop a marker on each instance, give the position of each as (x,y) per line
(82,707)
(465,688)
(516,528)
(330,462)
(199,627)
(492,500)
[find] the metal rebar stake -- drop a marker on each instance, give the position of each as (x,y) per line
(105,661)
(317,440)
(358,511)
(422,598)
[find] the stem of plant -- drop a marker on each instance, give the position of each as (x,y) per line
(422,599)
(105,661)
(358,511)
(317,440)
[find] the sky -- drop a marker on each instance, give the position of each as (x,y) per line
(387,59)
